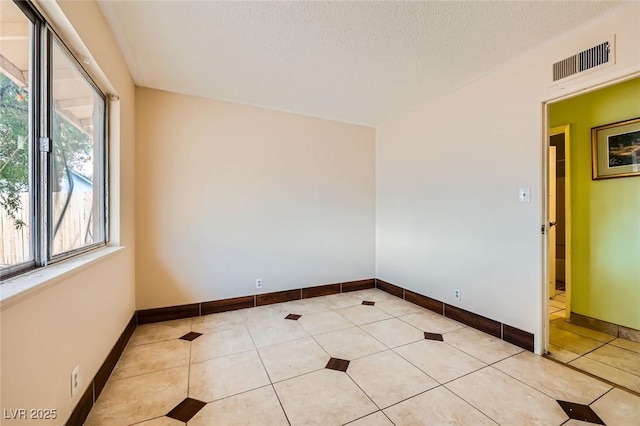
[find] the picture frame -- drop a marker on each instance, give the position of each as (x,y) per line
(615,149)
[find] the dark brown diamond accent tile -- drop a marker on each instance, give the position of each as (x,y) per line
(294,317)
(186,409)
(366,302)
(580,412)
(190,336)
(433,336)
(338,364)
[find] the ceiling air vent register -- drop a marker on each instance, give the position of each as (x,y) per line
(585,60)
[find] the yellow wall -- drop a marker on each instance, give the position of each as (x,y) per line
(605,213)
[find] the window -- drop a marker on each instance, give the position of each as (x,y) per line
(52,147)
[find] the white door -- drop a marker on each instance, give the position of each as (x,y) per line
(552,220)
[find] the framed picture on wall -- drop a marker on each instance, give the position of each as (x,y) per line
(616,149)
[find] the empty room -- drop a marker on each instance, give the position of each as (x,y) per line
(319,213)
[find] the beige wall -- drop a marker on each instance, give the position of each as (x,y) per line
(448,173)
(229,193)
(77,320)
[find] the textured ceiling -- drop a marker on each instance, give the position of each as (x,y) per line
(359,62)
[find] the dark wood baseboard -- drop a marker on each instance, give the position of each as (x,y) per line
(517,337)
(147,316)
(506,332)
(424,301)
(390,288)
(321,290)
(225,305)
(609,328)
(89,397)
(358,285)
(474,320)
(278,297)
(82,409)
(495,328)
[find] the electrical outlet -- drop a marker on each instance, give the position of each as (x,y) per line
(258,283)
(75,380)
(456,294)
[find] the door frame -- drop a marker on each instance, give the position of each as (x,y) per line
(566,129)
(563,94)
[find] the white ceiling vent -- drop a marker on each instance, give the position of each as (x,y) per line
(594,57)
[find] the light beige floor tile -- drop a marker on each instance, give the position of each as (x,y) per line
(439,360)
(556,309)
(561,354)
(397,307)
(573,422)
(263,314)
(324,397)
(572,342)
(305,306)
(257,407)
(375,419)
(436,407)
(608,372)
(230,375)
(159,331)
(553,379)
(618,408)
(276,331)
(342,300)
(486,348)
(393,332)
(388,379)
(122,403)
(294,358)
(136,360)
(626,344)
(582,331)
(560,297)
(557,304)
(161,421)
(349,343)
(363,314)
(322,322)
(372,295)
(217,322)
(432,323)
(488,390)
(614,356)
(221,343)
(557,315)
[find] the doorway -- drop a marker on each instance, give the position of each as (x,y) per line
(593,326)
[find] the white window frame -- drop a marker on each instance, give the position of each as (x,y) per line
(41,112)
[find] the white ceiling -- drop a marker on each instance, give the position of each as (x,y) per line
(360,62)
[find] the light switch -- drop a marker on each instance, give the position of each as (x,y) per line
(524,195)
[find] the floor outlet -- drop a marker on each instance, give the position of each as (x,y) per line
(75,380)
(259,283)
(456,294)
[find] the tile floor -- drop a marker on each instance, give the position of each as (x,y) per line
(614,359)
(342,362)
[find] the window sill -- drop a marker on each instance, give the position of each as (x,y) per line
(21,287)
